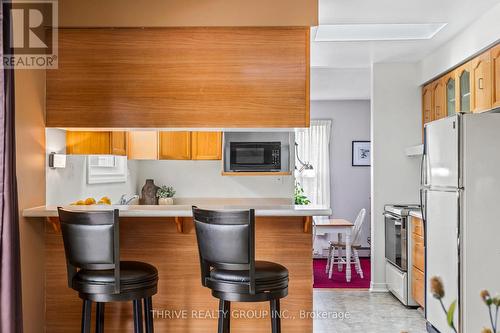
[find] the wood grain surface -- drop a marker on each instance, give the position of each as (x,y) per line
(157,241)
(180,77)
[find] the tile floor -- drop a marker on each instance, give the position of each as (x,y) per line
(364,312)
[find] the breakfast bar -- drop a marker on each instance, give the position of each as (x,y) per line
(164,236)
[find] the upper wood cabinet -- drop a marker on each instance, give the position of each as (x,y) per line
(86,142)
(119,143)
(450,94)
(495,64)
(143,145)
(175,146)
(481,83)
(210,77)
(439,102)
(206,145)
(427,108)
(463,83)
(96,142)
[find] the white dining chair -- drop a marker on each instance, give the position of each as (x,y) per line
(355,245)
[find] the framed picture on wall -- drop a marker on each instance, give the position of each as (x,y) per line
(361,154)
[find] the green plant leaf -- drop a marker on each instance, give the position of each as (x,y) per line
(451,312)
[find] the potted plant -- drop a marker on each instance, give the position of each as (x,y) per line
(165,195)
(299,196)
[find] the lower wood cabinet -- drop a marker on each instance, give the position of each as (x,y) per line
(418,286)
(95,142)
(418,261)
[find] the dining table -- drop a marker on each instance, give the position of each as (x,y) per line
(337,226)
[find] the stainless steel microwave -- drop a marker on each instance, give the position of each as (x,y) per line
(255,156)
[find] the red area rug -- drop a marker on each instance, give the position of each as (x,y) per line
(338,280)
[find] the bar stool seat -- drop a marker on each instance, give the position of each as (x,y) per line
(135,276)
(226,247)
(94,269)
(268,276)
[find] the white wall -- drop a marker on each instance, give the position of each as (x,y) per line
(340,83)
(350,186)
(476,37)
(396,124)
(67,185)
(203,179)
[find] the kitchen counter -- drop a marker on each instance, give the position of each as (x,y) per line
(185,210)
(164,236)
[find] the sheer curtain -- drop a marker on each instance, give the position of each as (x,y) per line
(10,271)
(314,147)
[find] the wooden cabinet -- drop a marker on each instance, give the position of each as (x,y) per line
(495,70)
(438,95)
(481,83)
(206,145)
(118,143)
(96,142)
(189,77)
(418,261)
(418,286)
(450,94)
(463,80)
(86,142)
(175,146)
(190,145)
(427,112)
(143,145)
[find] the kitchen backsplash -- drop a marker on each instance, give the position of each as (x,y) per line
(191,179)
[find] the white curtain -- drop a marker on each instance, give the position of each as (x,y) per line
(314,147)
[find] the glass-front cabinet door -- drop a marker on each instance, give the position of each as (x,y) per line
(450,95)
(464,86)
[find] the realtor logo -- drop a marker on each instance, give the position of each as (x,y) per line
(33,42)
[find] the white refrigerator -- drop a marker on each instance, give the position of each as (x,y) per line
(460,197)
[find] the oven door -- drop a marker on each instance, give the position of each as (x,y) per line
(396,240)
(255,156)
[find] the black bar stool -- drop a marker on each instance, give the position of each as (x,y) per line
(92,247)
(226,243)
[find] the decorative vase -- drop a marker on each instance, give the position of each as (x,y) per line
(165,201)
(149,193)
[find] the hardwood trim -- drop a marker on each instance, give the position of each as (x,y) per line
(307,224)
(281,173)
(179,224)
(308,79)
(55,224)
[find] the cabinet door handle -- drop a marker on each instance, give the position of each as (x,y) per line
(480,83)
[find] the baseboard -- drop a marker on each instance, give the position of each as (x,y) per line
(378,287)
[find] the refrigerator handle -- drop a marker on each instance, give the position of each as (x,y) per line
(423,160)
(423,207)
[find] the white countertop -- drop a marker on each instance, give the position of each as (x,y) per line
(185,210)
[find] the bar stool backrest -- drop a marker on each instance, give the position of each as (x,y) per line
(226,240)
(91,241)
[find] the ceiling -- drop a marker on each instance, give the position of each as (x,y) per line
(361,54)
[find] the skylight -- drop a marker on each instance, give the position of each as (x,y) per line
(376,32)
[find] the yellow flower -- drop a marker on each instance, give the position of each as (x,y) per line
(437,288)
(485,295)
(486,330)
